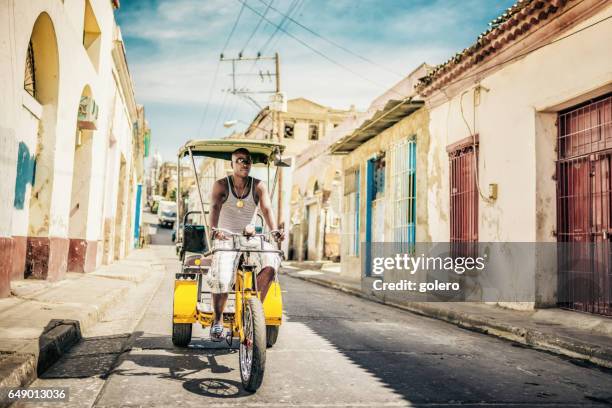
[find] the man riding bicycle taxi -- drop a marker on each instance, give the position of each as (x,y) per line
(234,200)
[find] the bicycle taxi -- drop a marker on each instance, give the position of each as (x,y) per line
(254,324)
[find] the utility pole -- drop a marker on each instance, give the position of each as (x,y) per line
(277,125)
(261,74)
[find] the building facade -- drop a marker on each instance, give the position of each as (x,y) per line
(510,141)
(316,198)
(528,107)
(69,130)
(384,173)
(303,125)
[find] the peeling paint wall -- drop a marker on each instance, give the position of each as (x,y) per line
(26,165)
(416,125)
(514,116)
(37,133)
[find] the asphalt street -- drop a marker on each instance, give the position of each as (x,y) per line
(333,350)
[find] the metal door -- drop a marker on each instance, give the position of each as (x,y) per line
(584,212)
(463,195)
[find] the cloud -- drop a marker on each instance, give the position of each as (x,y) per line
(173,48)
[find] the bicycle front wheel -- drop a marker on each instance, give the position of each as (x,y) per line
(252,351)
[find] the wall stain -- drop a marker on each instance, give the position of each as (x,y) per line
(26,172)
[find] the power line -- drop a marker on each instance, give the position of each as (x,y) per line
(317,51)
(291,10)
(229,37)
(214,81)
(335,44)
(293,7)
(257,26)
(210,91)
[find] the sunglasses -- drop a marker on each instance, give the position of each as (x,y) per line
(244,162)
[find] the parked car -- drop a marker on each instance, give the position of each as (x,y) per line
(166,213)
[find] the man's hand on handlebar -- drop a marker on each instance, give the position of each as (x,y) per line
(279,235)
(217,234)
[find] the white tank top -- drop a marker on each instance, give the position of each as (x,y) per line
(233,217)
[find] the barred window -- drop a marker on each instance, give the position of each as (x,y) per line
(403,180)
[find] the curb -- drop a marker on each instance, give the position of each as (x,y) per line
(19,370)
(594,354)
(16,371)
(56,339)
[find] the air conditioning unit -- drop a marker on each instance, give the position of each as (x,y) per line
(88,114)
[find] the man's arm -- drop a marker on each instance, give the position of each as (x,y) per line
(265,205)
(216,200)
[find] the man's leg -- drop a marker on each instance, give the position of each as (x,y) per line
(219,300)
(222,270)
(265,277)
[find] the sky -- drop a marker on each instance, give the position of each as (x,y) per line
(173,49)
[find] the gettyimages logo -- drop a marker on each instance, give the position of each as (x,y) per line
(566,273)
(420,270)
(412,264)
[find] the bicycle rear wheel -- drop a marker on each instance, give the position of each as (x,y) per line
(252,352)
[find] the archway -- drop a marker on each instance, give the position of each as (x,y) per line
(82,253)
(46,256)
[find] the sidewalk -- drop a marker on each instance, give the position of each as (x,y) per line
(572,334)
(42,320)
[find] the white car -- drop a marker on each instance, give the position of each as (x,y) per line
(166,213)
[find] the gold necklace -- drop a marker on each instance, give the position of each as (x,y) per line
(239,202)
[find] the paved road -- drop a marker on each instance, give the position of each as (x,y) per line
(333,350)
(159,235)
(337,350)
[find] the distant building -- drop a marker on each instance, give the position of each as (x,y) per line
(302,126)
(167,179)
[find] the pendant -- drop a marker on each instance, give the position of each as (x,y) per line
(239,203)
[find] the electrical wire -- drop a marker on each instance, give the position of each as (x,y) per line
(292,9)
(335,44)
(473,136)
(250,37)
(321,54)
(210,91)
(294,6)
(229,37)
(214,81)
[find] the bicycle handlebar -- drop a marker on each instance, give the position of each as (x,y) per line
(240,234)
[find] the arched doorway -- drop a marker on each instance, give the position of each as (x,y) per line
(82,253)
(46,256)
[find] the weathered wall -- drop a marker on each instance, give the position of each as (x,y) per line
(37,135)
(514,116)
(417,125)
